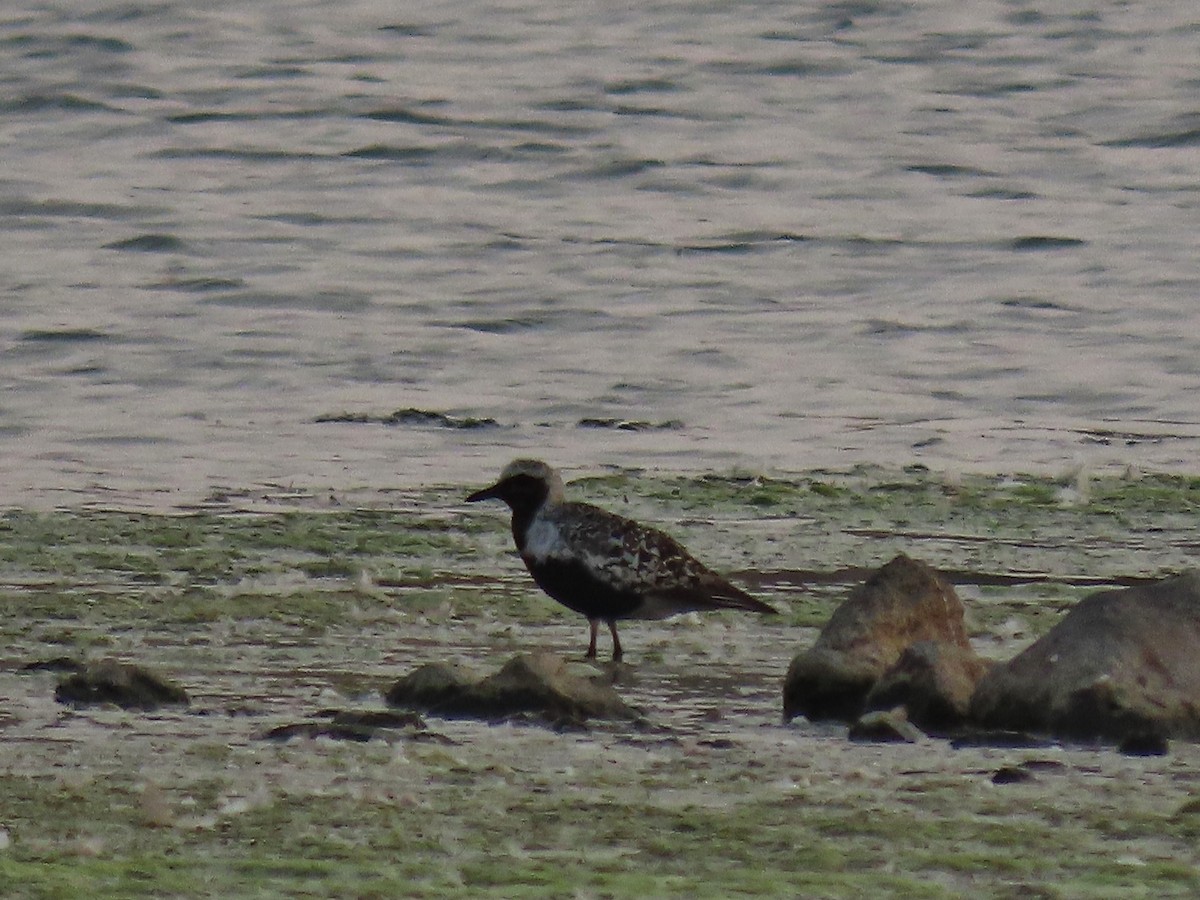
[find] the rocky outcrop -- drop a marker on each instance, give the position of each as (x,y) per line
(539,684)
(1122,664)
(934,682)
(128,686)
(901,604)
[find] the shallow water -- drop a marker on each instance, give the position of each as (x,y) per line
(787,235)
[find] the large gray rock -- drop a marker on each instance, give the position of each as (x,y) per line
(902,603)
(540,684)
(1121,664)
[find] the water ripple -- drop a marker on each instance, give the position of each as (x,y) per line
(813,234)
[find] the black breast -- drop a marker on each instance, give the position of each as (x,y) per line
(571,584)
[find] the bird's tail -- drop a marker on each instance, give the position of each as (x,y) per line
(729,596)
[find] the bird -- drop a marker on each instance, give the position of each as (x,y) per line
(602,565)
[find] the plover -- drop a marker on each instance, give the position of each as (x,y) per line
(602,565)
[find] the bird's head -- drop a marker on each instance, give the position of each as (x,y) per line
(525,485)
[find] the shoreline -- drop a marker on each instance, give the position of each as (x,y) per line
(353,456)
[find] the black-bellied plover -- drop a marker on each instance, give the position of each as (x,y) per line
(602,565)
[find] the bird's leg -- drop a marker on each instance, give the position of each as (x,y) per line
(612,627)
(595,625)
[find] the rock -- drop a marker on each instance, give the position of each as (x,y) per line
(1026,771)
(431,686)
(538,683)
(1011,775)
(126,685)
(1144,744)
(411,416)
(902,603)
(933,681)
(1122,664)
(885,726)
(378,718)
(57,664)
(313,730)
(362,726)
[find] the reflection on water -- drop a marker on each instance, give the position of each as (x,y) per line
(958,234)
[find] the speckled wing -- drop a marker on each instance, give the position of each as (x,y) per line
(635,559)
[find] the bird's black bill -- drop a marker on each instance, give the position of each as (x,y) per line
(488,493)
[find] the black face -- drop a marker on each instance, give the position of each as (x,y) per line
(522,493)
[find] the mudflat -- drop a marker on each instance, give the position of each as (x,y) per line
(279,607)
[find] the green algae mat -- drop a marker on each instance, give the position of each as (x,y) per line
(273,607)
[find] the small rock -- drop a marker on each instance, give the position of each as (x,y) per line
(335,732)
(884,726)
(378,718)
(431,686)
(56,664)
(628,425)
(126,685)
(539,683)
(412,416)
(1011,775)
(355,725)
(1148,743)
